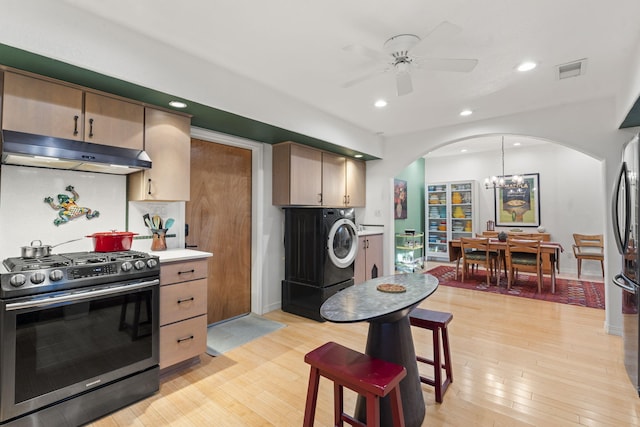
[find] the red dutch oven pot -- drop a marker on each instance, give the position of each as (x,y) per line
(112,241)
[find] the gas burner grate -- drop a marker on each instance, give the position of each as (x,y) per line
(26,264)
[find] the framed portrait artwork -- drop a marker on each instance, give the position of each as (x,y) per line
(400,199)
(518,206)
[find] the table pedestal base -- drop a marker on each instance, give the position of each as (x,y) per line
(392,341)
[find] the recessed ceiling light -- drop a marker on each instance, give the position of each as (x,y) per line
(527,66)
(466,113)
(357,156)
(380,103)
(464,150)
(178,104)
(515,144)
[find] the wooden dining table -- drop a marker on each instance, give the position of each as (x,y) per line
(553,249)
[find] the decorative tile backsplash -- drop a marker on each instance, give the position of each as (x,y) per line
(26,213)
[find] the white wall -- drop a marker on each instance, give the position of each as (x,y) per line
(589,127)
(25,217)
(571,189)
(81,39)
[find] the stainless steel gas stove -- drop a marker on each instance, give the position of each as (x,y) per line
(80,336)
(30,276)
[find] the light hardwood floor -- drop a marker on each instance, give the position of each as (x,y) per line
(516,362)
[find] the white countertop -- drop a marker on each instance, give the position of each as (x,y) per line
(180,255)
(369,232)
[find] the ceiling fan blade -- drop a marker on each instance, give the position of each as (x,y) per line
(404,85)
(441,33)
(447,64)
(365,77)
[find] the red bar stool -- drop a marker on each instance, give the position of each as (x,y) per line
(370,377)
(437,322)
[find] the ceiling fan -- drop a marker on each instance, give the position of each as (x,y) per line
(401,55)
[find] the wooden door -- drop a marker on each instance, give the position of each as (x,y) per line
(36,106)
(356,176)
(219,218)
(333,185)
(374,257)
(306,176)
(360,263)
(110,121)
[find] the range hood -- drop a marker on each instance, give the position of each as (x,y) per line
(24,149)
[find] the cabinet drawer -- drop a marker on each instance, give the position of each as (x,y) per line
(183,340)
(183,271)
(182,301)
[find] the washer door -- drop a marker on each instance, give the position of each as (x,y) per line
(342,243)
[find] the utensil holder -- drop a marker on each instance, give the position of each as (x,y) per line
(158,241)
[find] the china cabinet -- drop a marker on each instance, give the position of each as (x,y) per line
(451,214)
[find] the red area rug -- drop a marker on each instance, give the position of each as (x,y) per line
(576,292)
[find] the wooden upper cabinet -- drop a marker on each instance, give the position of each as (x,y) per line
(356,177)
(310,177)
(343,181)
(297,175)
(333,180)
(40,107)
(110,121)
(43,107)
(168,144)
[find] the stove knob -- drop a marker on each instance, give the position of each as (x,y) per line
(151,263)
(126,266)
(139,265)
(17,280)
(38,278)
(56,275)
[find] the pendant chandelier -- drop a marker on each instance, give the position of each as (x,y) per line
(503,181)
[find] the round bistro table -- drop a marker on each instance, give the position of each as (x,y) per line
(389,336)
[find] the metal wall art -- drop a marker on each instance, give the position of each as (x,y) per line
(68,209)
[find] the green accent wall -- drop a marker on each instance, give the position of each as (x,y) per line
(414,176)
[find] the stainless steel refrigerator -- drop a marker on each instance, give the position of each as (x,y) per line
(625,206)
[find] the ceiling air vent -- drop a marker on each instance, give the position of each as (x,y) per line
(572,69)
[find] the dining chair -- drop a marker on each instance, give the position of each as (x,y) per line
(523,255)
(475,252)
(588,247)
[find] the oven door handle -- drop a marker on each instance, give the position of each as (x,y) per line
(78,296)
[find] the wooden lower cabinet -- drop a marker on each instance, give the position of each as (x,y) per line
(368,263)
(183,311)
(182,340)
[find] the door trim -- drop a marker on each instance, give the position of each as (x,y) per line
(257,209)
